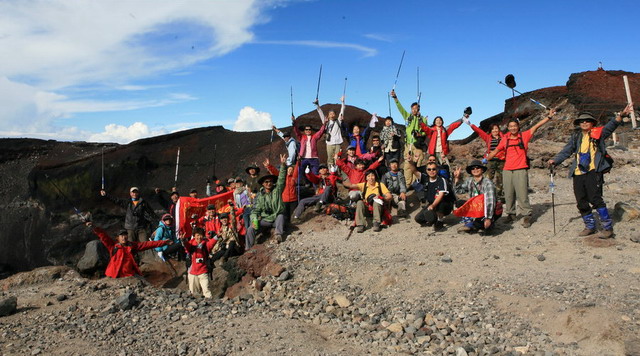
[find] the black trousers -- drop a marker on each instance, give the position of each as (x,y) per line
(588,191)
(429,217)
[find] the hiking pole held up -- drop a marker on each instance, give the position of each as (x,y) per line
(102,181)
(319,78)
(552,189)
(510,82)
(628,91)
(398,73)
(344,90)
(292,102)
(177,165)
(419,93)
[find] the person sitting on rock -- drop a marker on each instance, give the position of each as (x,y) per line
(308,145)
(437,195)
(326,190)
(228,244)
(293,146)
(515,175)
(252,178)
(395,182)
(166,231)
(122,252)
(375,195)
(269,208)
(242,202)
(138,216)
(198,249)
(290,192)
(375,152)
(357,174)
(587,146)
(476,185)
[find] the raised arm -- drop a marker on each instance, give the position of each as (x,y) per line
(322,118)
(550,115)
(401,109)
(341,115)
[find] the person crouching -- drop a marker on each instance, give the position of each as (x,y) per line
(374,193)
(475,185)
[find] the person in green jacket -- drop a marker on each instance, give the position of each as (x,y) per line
(269,208)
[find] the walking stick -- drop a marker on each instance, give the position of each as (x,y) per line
(344,90)
(102,169)
(419,93)
(319,77)
(292,101)
(398,73)
(389,102)
(552,189)
(270,144)
(177,165)
(510,82)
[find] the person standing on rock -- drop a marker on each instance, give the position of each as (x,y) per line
(333,131)
(252,178)
(476,185)
(496,164)
(358,136)
(309,144)
(587,146)
(439,137)
(269,208)
(122,252)
(290,143)
(395,182)
(138,216)
(437,194)
(412,121)
(198,274)
(390,138)
(515,145)
(166,231)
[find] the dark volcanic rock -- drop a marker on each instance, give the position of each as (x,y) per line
(8,305)
(95,257)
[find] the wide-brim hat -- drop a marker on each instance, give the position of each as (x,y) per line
(253,167)
(476,163)
(271,176)
(585,116)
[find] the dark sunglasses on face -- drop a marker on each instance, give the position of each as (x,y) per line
(432,169)
(475,167)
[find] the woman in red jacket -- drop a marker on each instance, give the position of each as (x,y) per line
(122,262)
(438,137)
(496,164)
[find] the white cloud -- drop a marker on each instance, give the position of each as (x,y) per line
(379,37)
(366,51)
(250,119)
(124,134)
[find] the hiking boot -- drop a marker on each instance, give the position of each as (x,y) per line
(279,238)
(318,207)
(606,234)
(376,227)
(464,229)
(360,229)
(402,213)
(438,225)
(509,218)
(526,222)
(589,225)
(586,232)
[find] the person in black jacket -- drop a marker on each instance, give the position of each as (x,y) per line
(138,217)
(587,147)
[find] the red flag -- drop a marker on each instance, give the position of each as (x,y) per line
(188,206)
(473,208)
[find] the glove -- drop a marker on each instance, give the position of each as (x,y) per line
(160,254)
(333,169)
(484,161)
(466,120)
(307,170)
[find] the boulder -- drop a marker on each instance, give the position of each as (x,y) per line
(126,301)
(8,305)
(625,212)
(95,257)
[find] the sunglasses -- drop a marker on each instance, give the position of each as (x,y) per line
(582,121)
(431,169)
(475,167)
(267,181)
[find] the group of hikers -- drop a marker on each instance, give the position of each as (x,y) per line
(368,181)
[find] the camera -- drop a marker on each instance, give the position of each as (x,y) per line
(200,260)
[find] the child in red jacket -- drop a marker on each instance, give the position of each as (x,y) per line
(122,262)
(198,248)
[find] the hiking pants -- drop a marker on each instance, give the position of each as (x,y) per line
(396,201)
(494,172)
(588,191)
(199,284)
(250,237)
(429,217)
(325,198)
(139,235)
(362,211)
(516,188)
(331,152)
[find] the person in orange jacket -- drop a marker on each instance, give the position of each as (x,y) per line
(121,251)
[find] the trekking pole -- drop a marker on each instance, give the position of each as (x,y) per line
(344,90)
(398,73)
(510,82)
(270,143)
(76,210)
(552,189)
(319,78)
(291,100)
(418,93)
(389,102)
(628,92)
(177,165)
(102,181)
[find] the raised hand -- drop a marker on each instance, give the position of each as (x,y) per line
(342,99)
(266,162)
(552,113)
(627,109)
(393,94)
(283,158)
(103,192)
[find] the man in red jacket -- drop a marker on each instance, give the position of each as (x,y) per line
(122,262)
(198,249)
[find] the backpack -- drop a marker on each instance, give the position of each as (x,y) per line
(596,142)
(340,212)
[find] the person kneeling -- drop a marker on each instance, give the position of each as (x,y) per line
(373,204)
(476,185)
(198,249)
(269,210)
(437,195)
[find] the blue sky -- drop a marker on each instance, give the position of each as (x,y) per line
(123,70)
